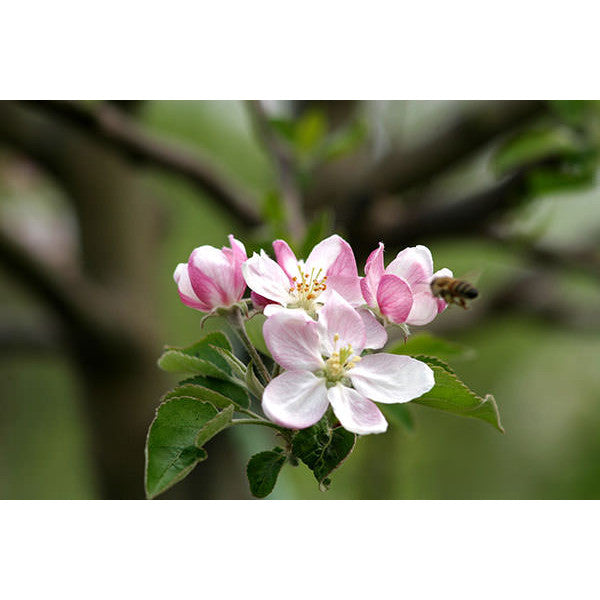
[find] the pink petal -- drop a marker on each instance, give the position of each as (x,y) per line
(264,276)
(211,276)
(342,275)
(376,336)
(324,254)
(295,399)
(391,378)
(394,298)
(355,412)
(293,340)
(286,258)
(374,270)
(239,258)
(338,317)
(414,265)
(258,301)
(186,292)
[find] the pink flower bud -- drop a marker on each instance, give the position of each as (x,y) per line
(212,278)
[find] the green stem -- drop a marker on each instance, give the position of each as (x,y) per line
(237,322)
(255,422)
(251,414)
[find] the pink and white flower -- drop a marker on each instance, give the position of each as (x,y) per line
(212,278)
(401,292)
(324,367)
(294,283)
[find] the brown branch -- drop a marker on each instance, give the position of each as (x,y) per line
(117,129)
(283,162)
(466,216)
(401,169)
(86,317)
(37,338)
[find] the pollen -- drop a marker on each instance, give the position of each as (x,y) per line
(340,361)
(307,286)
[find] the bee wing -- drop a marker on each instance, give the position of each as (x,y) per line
(471,277)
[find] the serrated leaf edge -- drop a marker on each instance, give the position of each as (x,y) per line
(489,398)
(186,471)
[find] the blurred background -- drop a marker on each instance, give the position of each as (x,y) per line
(100,200)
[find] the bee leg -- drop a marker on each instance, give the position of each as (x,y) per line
(462,302)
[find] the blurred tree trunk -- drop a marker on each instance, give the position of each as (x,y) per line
(120,231)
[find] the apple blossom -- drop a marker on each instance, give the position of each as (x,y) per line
(401,292)
(324,367)
(294,283)
(212,278)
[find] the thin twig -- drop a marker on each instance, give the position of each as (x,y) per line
(283,163)
(126,136)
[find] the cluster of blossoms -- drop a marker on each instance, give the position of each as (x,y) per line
(323,323)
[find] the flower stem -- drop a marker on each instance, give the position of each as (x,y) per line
(237,322)
(257,422)
(250,413)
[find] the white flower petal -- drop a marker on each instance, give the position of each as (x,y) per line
(264,276)
(425,306)
(355,412)
(338,317)
(295,399)
(391,378)
(412,264)
(292,338)
(441,303)
(442,273)
(376,335)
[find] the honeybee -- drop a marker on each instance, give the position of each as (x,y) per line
(453,291)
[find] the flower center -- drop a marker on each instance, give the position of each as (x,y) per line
(306,288)
(340,362)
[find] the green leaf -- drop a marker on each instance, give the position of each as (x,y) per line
(434,361)
(284,127)
(273,210)
(255,387)
(573,112)
(201,357)
(254,329)
(238,368)
(400,414)
(346,140)
(323,449)
(425,343)
(310,130)
(263,470)
(533,145)
(450,394)
(570,173)
(173,447)
(231,392)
